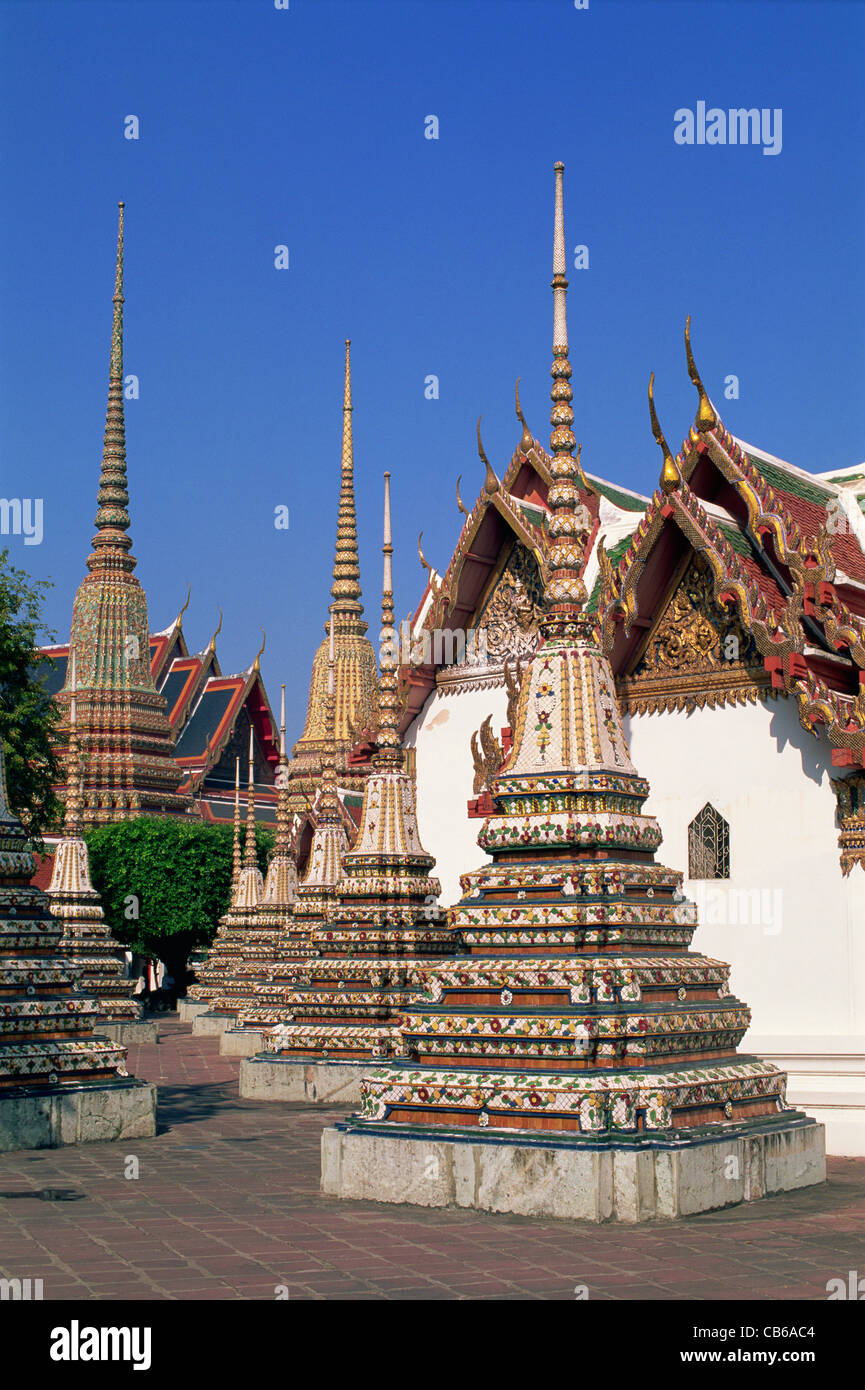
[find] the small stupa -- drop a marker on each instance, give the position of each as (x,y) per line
(58,1083)
(381,930)
(582,1062)
(272,937)
(241,936)
(87,941)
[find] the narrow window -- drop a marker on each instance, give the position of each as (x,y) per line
(708,845)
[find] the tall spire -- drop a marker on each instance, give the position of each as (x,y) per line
(389,748)
(111,544)
(249,859)
(72,816)
(329,803)
(565,591)
(235,857)
(283,813)
(345,589)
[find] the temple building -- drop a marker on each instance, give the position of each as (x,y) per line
(594,1050)
(210,714)
(733,613)
(379,932)
(59,1084)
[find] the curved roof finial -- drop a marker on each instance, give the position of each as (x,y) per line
(256,665)
(424,561)
(526,440)
(178,621)
(671,478)
(706,417)
(211,646)
(460,503)
(491,482)
(584,482)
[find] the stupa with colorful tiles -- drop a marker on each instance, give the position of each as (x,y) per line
(312,904)
(87,939)
(582,1061)
(382,928)
(125,739)
(355,675)
(242,936)
(59,1084)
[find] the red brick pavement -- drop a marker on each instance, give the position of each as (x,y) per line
(227,1205)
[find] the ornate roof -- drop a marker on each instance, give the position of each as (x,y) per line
(784,561)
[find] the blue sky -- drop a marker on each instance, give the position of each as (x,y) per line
(305,127)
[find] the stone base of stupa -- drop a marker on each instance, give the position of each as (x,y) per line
(48,1117)
(241,1042)
(189,1009)
(130,1033)
(646,1181)
(268,1077)
(211,1025)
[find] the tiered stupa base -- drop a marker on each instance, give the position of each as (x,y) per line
(325,1035)
(529,1174)
(89,1113)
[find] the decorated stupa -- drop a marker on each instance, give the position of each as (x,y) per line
(381,929)
(271,937)
(354,666)
(241,936)
(87,940)
(124,735)
(58,1083)
(582,1062)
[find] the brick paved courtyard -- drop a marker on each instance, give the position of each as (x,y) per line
(227,1206)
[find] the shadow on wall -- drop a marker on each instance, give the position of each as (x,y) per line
(785,728)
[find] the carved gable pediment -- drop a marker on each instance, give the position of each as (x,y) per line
(505,627)
(695,652)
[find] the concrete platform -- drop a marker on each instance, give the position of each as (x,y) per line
(130,1034)
(189,1009)
(40,1119)
(266,1077)
(210,1025)
(596,1183)
(241,1042)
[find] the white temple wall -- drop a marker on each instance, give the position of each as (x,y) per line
(787,921)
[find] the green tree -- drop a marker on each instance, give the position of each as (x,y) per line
(27,713)
(165,883)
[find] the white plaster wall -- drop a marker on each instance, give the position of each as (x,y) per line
(798,956)
(798,946)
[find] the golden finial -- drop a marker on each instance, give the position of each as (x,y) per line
(491,482)
(211,646)
(178,622)
(706,417)
(671,478)
(460,502)
(256,665)
(526,440)
(584,482)
(426,564)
